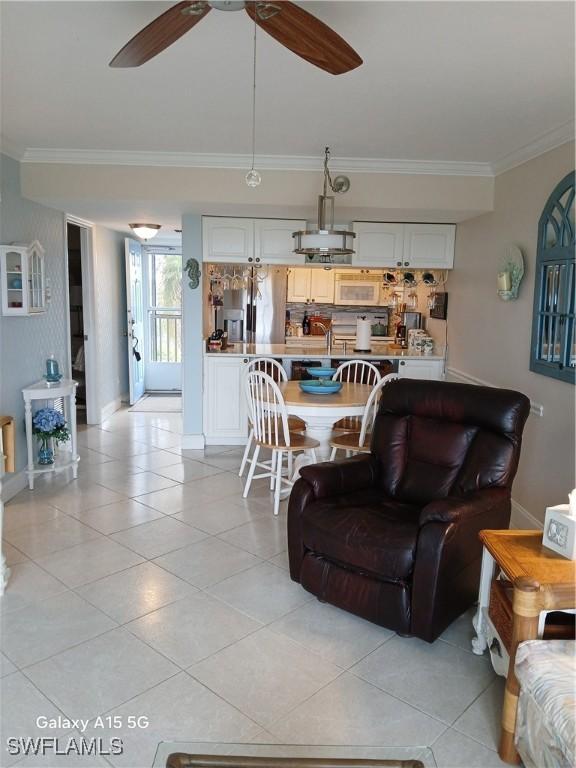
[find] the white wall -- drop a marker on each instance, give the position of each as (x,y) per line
(490,339)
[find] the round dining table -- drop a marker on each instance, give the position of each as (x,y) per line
(321,412)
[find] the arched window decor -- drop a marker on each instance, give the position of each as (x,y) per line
(553,342)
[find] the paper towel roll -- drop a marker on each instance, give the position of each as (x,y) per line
(363,333)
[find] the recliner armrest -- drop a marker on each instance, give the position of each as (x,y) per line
(333,478)
(454,509)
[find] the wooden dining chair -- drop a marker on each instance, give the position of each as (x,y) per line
(359,442)
(274,369)
(270,424)
(355,372)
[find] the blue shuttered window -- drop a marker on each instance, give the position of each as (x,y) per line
(553,341)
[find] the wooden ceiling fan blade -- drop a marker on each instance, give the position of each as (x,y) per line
(304,35)
(159,34)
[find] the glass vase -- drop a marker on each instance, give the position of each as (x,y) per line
(45,452)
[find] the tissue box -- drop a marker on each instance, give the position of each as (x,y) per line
(560,531)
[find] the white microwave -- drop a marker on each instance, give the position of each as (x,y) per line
(357,289)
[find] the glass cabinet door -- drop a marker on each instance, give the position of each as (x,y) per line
(15,285)
(35,281)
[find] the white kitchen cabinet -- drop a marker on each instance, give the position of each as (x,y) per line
(273,241)
(429,246)
(378,244)
(421,369)
(322,286)
(22,279)
(309,284)
(225,410)
(227,240)
(298,285)
(419,246)
(250,241)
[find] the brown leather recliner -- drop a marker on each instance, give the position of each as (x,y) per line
(392,536)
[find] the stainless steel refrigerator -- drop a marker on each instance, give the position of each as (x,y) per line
(259,310)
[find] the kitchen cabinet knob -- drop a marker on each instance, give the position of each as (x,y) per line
(250,258)
(245,360)
(398,263)
(402,362)
(257,259)
(406,263)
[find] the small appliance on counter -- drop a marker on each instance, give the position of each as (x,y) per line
(408,322)
(218,341)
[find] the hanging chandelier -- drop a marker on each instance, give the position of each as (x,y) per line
(323,243)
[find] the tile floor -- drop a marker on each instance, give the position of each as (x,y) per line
(149,587)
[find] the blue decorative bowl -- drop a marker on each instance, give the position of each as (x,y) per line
(321,373)
(321,387)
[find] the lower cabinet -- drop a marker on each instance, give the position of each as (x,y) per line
(421,369)
(225,411)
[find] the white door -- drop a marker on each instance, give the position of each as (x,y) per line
(225,408)
(322,285)
(135,309)
(163,333)
(299,285)
(227,240)
(273,241)
(429,245)
(378,244)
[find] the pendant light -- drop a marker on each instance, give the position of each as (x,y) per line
(253,178)
(323,243)
(145,231)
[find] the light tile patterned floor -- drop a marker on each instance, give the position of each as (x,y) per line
(149,587)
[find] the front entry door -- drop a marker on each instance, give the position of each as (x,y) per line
(135,309)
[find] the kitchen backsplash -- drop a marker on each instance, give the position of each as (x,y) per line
(297,310)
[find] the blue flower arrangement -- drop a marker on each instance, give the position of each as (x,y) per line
(50,423)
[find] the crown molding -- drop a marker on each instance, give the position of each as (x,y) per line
(548,141)
(263,162)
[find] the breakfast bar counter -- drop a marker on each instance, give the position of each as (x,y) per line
(308,352)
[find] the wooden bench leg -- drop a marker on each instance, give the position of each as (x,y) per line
(526,606)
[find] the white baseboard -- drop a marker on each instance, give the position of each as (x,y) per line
(12,484)
(193,442)
(453,374)
(522,519)
(226,440)
(111,408)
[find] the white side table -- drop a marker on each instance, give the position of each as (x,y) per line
(48,392)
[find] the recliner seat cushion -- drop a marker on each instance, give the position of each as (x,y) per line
(365,531)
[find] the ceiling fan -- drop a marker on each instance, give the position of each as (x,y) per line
(290,25)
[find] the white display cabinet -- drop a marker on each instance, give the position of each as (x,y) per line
(23,279)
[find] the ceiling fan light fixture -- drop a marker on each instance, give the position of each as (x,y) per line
(145,231)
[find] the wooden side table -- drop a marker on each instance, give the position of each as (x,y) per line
(41,390)
(543,581)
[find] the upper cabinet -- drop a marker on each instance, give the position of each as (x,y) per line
(227,240)
(309,284)
(404,245)
(429,245)
(23,281)
(273,241)
(257,241)
(378,245)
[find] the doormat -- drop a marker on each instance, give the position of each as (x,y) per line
(167,403)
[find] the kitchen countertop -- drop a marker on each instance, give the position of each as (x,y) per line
(313,353)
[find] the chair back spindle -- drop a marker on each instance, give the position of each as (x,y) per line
(357,372)
(371,408)
(267,408)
